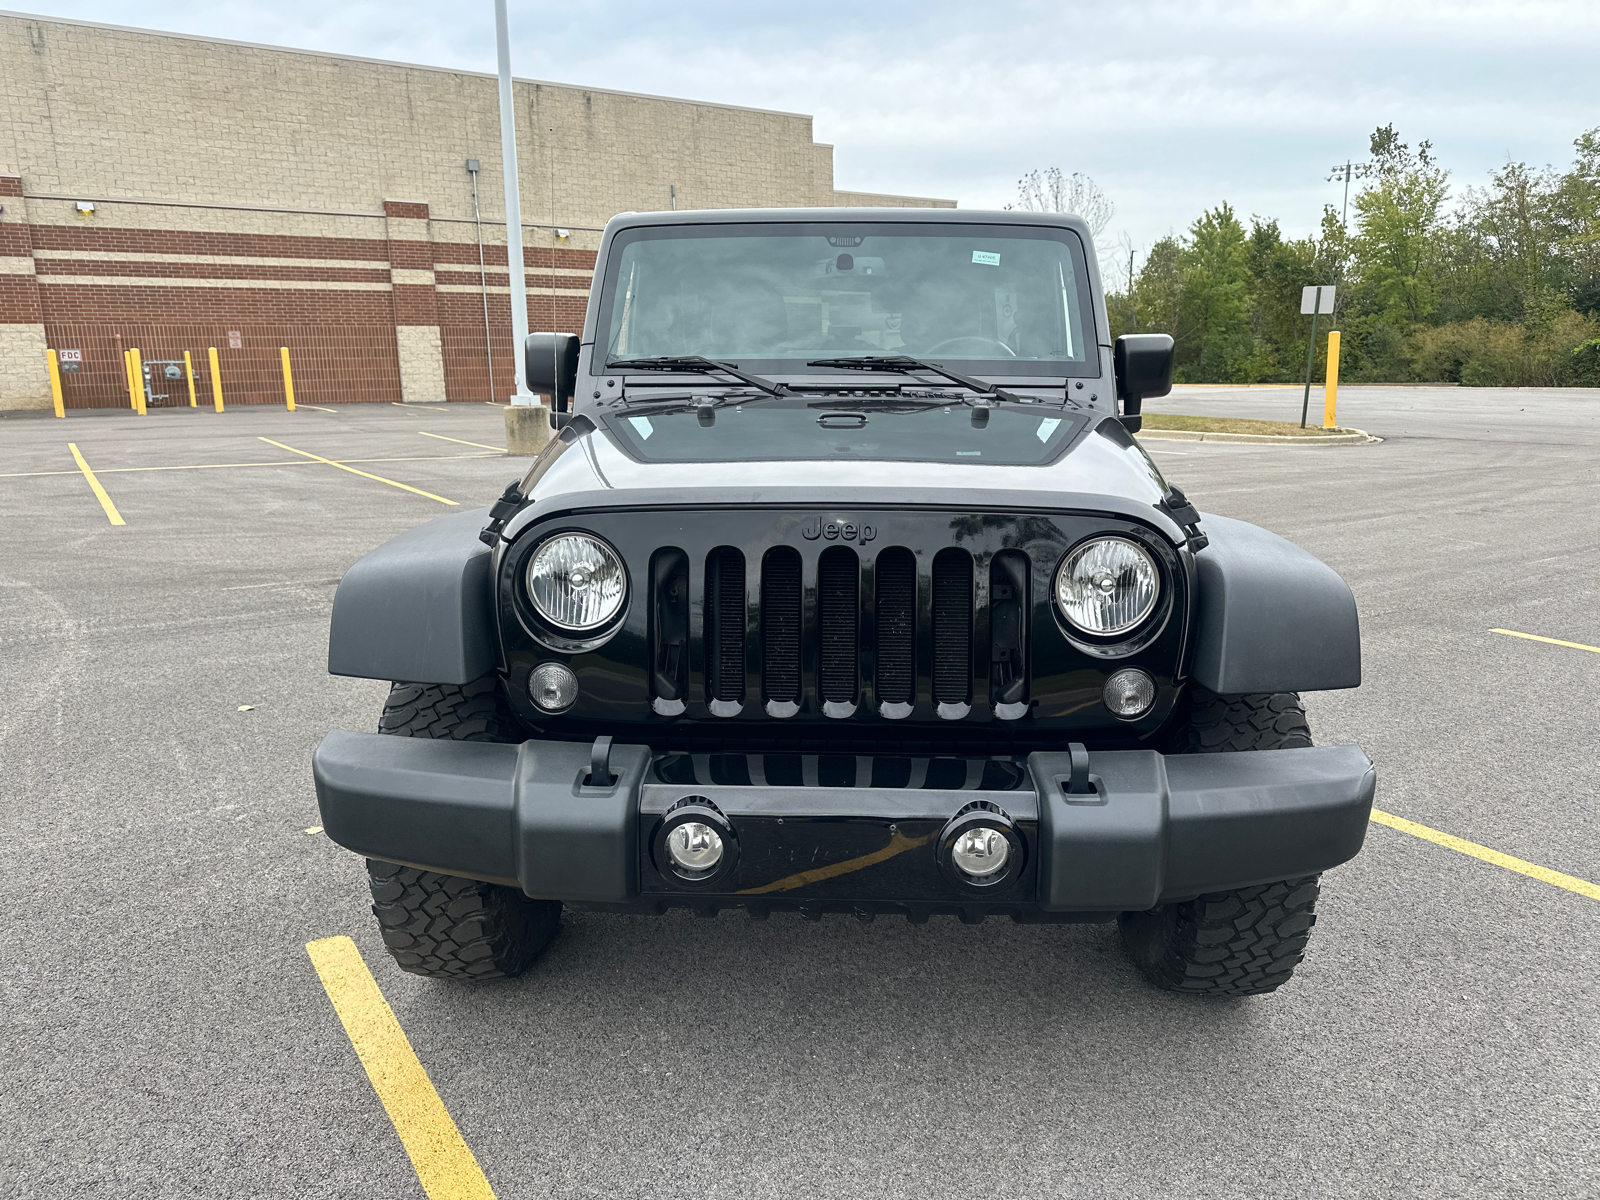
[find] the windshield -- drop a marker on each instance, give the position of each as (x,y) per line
(771,430)
(1002,299)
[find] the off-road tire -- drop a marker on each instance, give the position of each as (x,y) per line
(446,927)
(443,926)
(1251,721)
(1241,943)
(473,712)
(1245,942)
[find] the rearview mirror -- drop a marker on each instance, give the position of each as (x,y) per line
(550,363)
(1143,363)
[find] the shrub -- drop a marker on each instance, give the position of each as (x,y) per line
(1480,353)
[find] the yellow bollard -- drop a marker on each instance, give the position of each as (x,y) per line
(288,378)
(127,379)
(1330,391)
(138,381)
(216,379)
(54,362)
(188,371)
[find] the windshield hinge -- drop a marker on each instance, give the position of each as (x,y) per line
(1176,505)
(502,511)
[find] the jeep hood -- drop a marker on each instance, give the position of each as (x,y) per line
(1102,469)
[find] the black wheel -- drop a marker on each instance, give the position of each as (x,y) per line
(443,926)
(1244,942)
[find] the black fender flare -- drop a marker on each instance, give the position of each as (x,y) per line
(1269,616)
(419,608)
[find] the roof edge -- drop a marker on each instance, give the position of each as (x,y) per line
(389,62)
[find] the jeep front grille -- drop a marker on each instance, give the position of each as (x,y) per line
(832,626)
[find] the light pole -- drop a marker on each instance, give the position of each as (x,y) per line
(508,161)
(1347,172)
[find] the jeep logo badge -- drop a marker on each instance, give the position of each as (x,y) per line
(837,531)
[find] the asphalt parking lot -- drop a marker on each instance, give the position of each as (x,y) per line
(164,684)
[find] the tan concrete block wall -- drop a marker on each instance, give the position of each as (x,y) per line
(875,200)
(24,377)
(421,363)
(100,111)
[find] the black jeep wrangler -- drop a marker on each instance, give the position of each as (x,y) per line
(845,588)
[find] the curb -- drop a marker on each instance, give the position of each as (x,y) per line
(1348,437)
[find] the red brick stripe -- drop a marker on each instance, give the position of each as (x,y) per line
(121,303)
(19,300)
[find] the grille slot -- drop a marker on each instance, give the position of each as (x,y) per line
(724,624)
(1008,627)
(669,624)
(780,624)
(952,627)
(896,613)
(838,619)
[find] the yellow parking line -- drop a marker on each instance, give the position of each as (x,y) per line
(1544,874)
(1534,637)
(94,485)
(318,407)
(444,1163)
(459,441)
(365,475)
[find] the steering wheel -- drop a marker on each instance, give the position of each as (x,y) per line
(985,341)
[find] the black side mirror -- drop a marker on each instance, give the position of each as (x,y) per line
(1143,362)
(550,363)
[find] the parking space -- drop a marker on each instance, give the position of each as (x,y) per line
(164,684)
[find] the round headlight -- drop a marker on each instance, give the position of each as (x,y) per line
(576,582)
(1107,586)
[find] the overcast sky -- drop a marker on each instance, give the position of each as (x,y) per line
(1170,107)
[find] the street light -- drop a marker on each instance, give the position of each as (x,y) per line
(1346,172)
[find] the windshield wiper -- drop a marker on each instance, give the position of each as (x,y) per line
(902,365)
(694,362)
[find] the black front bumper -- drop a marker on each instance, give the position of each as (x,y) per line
(1149,829)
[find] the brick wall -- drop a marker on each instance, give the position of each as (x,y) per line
(322,203)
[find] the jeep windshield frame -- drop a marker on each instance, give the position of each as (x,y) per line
(1002,300)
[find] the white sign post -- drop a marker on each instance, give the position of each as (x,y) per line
(1314,300)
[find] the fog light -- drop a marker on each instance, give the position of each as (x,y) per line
(1129,693)
(553,687)
(980,851)
(695,848)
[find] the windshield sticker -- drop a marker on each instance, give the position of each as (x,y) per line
(986,258)
(642,426)
(1047,427)
(968,453)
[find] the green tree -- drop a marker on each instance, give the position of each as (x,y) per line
(1399,219)
(1576,213)
(1215,307)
